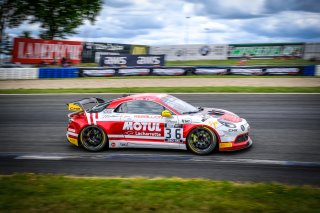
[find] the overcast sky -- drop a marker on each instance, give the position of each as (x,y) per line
(168,22)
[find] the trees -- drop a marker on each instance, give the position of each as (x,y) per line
(12,14)
(57,18)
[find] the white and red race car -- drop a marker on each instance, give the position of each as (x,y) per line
(154,121)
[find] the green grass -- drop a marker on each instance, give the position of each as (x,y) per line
(49,193)
(169,90)
(230,62)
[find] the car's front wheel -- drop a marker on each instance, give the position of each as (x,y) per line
(93,138)
(201,141)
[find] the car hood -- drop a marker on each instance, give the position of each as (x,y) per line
(221,114)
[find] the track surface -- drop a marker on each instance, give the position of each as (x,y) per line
(285,130)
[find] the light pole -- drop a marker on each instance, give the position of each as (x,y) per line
(186,38)
(207,31)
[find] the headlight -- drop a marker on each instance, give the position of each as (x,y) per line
(227,124)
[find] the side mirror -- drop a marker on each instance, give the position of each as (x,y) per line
(166,113)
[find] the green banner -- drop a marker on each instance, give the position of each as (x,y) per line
(266,51)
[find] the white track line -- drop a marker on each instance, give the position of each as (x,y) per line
(168,157)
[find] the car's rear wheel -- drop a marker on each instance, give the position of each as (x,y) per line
(93,138)
(201,141)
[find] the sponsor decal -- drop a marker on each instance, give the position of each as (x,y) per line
(129,133)
(225,144)
(170,123)
(142,129)
(213,123)
(74,107)
(142,126)
(123,144)
(115,60)
(113,144)
(233,130)
(152,134)
(148,116)
(186,121)
(242,128)
(173,135)
(131,60)
(149,60)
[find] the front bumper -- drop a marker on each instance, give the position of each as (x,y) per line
(233,146)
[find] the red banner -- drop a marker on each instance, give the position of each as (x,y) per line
(37,51)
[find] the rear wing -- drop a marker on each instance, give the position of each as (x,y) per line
(84,104)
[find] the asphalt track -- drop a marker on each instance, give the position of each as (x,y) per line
(285,129)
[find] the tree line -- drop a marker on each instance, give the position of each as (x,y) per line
(57,18)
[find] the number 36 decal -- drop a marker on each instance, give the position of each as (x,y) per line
(173,134)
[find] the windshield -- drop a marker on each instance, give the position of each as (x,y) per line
(179,105)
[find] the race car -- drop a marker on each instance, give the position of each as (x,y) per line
(154,121)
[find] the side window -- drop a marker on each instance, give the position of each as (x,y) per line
(140,107)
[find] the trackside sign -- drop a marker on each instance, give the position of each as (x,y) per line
(36,51)
(132,60)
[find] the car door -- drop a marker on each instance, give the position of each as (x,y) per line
(143,125)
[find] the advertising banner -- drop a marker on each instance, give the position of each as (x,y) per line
(312,51)
(169,71)
(246,71)
(131,60)
(93,50)
(282,71)
(191,52)
(96,72)
(133,71)
(38,51)
(19,73)
(266,50)
(210,71)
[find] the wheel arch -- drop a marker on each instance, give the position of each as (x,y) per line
(94,125)
(192,127)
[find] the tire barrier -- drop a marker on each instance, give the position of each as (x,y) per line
(96,72)
(171,71)
(19,73)
(58,72)
(133,71)
(210,70)
(35,73)
(248,70)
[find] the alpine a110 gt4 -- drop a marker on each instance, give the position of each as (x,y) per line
(154,121)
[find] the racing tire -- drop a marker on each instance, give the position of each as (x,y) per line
(93,138)
(202,141)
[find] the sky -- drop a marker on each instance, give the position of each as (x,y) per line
(172,22)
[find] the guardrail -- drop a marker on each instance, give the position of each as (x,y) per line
(75,72)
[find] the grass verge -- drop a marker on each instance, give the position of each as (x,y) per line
(253,62)
(169,90)
(229,62)
(51,193)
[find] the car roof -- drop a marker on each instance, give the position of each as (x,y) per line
(142,96)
